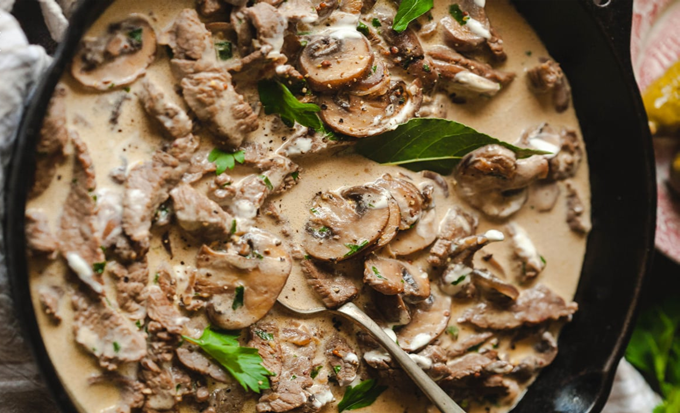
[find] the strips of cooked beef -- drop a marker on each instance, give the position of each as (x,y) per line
(575,219)
(188,38)
(173,118)
(199,216)
(333,289)
(54,136)
(343,360)
(264,336)
(227,400)
(533,306)
(39,238)
(456,224)
(78,242)
(193,358)
(131,281)
(547,77)
(50,297)
(104,332)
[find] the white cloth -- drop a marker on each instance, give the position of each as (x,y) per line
(630,393)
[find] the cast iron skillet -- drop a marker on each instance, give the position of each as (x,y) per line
(591,42)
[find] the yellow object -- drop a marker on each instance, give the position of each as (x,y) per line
(662,102)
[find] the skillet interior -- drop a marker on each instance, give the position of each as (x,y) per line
(593,53)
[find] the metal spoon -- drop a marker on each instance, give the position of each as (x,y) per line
(422,380)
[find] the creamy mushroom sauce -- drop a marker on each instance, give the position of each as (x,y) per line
(135,136)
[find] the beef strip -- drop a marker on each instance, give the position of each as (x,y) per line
(209,8)
(104,332)
(575,210)
(565,164)
(157,105)
(534,306)
(131,281)
(456,224)
(547,77)
(131,391)
(459,348)
(54,136)
(192,358)
(39,238)
(199,216)
(162,310)
(449,63)
(289,393)
(227,400)
(212,97)
(545,351)
(264,336)
(462,38)
(146,188)
(269,26)
(188,38)
(343,360)
(333,289)
(77,236)
(49,297)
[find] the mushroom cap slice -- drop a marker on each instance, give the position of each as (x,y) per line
(461,38)
(416,283)
(119,57)
(423,233)
(408,197)
(376,83)
(330,62)
(361,117)
(258,262)
(428,320)
(385,275)
(392,308)
(392,226)
(491,283)
(343,223)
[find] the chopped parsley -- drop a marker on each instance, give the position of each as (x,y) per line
(374,68)
(361,395)
(224,50)
(377,273)
(98,267)
(543,260)
(267,182)
(225,160)
(135,35)
(452,331)
(313,210)
(233,226)
(324,230)
(362,28)
(528,53)
(427,68)
(238,297)
(315,371)
(138,323)
(459,280)
(116,346)
(264,335)
(353,249)
(337,369)
(295,175)
(459,15)
(127,89)
(155,278)
(375,22)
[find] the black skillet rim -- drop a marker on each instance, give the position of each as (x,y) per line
(22,165)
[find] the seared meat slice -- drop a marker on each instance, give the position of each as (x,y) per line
(50,296)
(146,188)
(54,137)
(131,391)
(209,8)
(575,209)
(289,393)
(530,261)
(188,38)
(468,365)
(212,97)
(264,336)
(461,347)
(534,306)
(162,310)
(193,358)
(392,308)
(173,118)
(269,27)
(343,360)
(130,287)
(547,77)
(333,289)
(39,238)
(199,216)
(456,224)
(105,333)
(78,242)
(494,181)
(428,320)
(474,33)
(227,400)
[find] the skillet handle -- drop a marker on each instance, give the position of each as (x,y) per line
(615,18)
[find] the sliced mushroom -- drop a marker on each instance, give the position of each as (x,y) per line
(494,181)
(330,62)
(428,320)
(456,224)
(460,37)
(392,227)
(494,285)
(532,263)
(377,83)
(257,265)
(117,58)
(392,308)
(416,283)
(543,195)
(423,233)
(564,145)
(385,275)
(344,223)
(360,117)
(408,197)
(439,180)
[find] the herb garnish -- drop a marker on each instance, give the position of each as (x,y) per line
(377,273)
(264,335)
(233,226)
(138,323)
(276,98)
(243,363)
(267,182)
(375,22)
(337,369)
(459,15)
(353,249)
(238,297)
(361,395)
(224,50)
(155,277)
(543,260)
(225,160)
(452,331)
(135,35)
(315,371)
(408,11)
(98,267)
(430,143)
(362,28)
(116,346)
(459,280)
(295,175)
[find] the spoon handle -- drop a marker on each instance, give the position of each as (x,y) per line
(419,377)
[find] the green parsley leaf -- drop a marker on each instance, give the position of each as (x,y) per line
(233,226)
(375,22)
(267,182)
(98,267)
(135,35)
(362,28)
(243,363)
(528,53)
(459,15)
(264,335)
(238,297)
(295,175)
(324,230)
(543,260)
(361,395)
(427,68)
(116,346)
(452,331)
(155,278)
(315,371)
(225,160)
(276,98)
(374,68)
(127,89)
(224,50)
(459,280)
(337,369)
(353,249)
(408,11)
(138,323)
